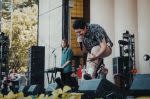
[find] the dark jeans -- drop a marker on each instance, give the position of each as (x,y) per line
(15,86)
(4,90)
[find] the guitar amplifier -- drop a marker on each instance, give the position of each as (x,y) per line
(121,65)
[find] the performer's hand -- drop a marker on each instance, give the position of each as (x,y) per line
(73,75)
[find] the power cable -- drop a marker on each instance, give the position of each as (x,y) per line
(51,10)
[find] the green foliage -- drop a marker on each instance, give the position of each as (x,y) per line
(24,3)
(24,32)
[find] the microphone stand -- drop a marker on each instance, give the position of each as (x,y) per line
(54,58)
(54,71)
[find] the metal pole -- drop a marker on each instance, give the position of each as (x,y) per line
(0,40)
(65,19)
(1,54)
(11,27)
(1,57)
(0,14)
(37,42)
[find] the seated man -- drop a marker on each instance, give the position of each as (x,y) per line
(66,59)
(14,79)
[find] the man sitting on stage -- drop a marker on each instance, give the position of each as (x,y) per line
(66,59)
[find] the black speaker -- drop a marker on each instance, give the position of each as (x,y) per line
(36,65)
(121,65)
(100,88)
(141,85)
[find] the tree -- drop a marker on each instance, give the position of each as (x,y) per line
(24,32)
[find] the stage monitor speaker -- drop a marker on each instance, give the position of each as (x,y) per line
(35,90)
(100,88)
(120,65)
(140,85)
(36,65)
(24,89)
(51,87)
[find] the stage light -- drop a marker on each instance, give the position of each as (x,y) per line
(122,42)
(146,57)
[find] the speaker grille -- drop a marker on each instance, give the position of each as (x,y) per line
(36,65)
(121,65)
(89,85)
(99,88)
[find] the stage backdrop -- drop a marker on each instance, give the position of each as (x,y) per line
(50,31)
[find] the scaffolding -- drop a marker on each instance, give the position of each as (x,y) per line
(124,66)
(0,14)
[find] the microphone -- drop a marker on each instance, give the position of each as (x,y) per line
(53,51)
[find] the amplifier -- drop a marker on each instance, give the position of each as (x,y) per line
(121,65)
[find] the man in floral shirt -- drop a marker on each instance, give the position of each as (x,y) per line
(96,42)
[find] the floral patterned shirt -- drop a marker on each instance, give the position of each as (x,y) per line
(95,34)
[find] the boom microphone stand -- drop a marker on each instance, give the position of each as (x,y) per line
(54,69)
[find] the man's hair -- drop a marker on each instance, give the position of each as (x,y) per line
(79,24)
(66,42)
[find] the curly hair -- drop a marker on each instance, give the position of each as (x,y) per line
(79,24)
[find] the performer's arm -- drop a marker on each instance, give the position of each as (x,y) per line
(101,52)
(103,47)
